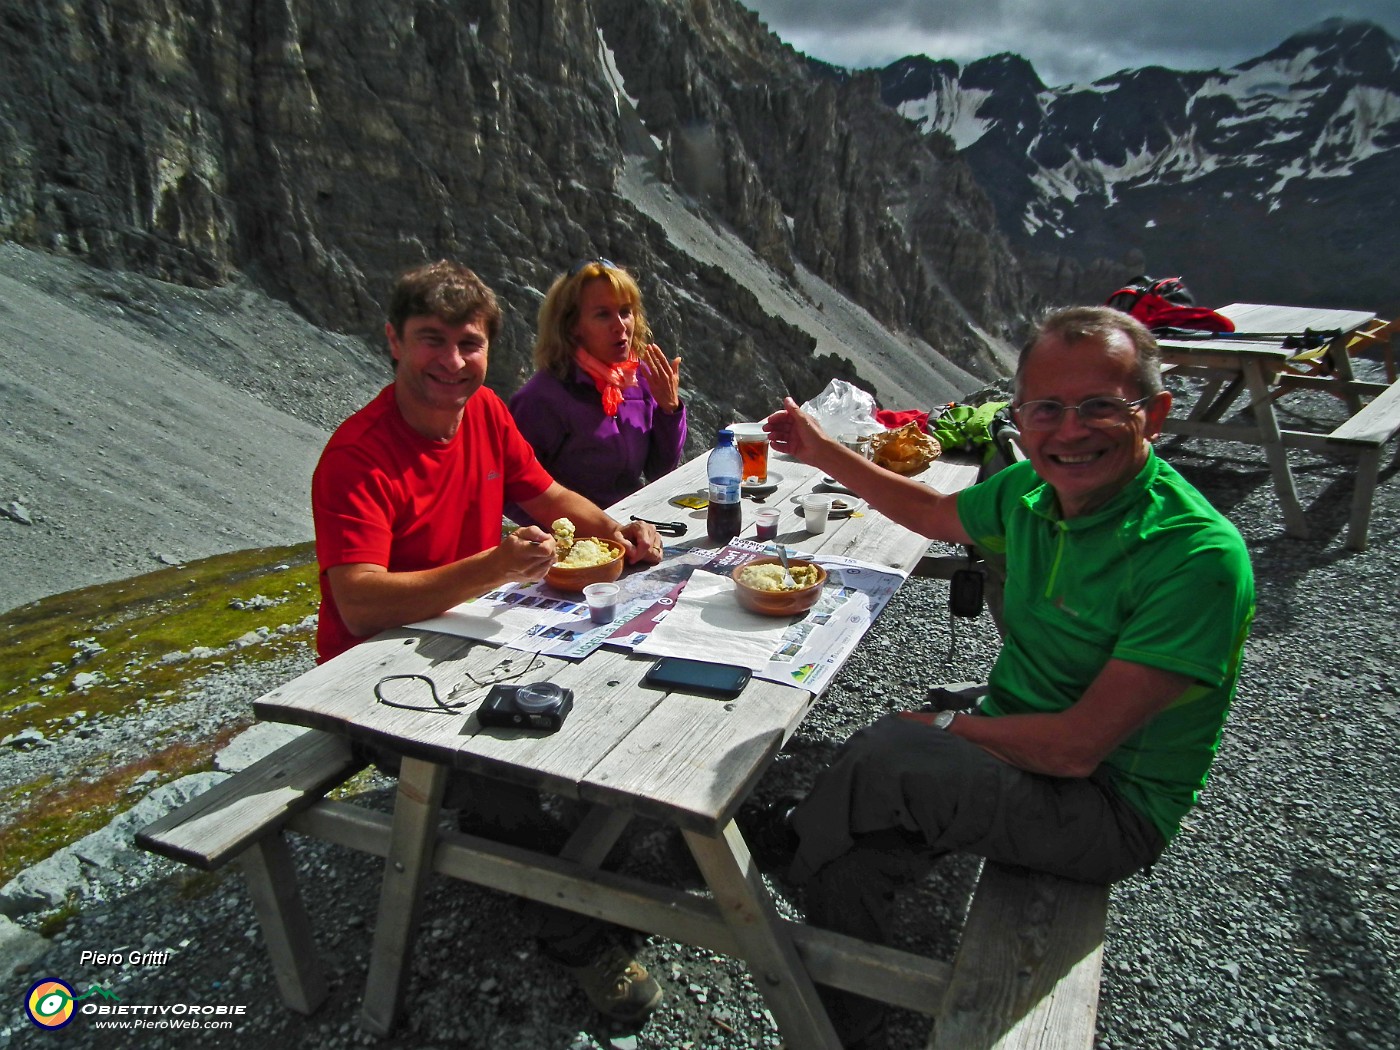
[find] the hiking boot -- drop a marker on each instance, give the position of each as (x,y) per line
(768,830)
(618,985)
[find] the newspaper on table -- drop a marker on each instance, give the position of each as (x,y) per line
(686,607)
(537,618)
(804,652)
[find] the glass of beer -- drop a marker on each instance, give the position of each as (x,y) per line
(753,450)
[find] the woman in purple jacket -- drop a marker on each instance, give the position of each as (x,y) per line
(603,412)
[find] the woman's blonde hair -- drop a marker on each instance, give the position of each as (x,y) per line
(554,332)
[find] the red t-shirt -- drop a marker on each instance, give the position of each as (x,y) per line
(383,494)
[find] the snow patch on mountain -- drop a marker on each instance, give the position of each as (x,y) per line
(952,111)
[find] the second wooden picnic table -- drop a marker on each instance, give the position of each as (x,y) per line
(1259,359)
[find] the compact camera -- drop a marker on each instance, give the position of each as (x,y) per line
(542,705)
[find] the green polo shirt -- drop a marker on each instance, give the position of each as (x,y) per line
(1156,576)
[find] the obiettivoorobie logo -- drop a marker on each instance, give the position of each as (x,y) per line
(49,1003)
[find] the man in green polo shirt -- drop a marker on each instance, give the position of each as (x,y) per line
(1128,600)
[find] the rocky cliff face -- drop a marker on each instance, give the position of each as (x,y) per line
(806,162)
(319,146)
(1272,181)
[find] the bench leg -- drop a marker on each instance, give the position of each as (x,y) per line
(1368,466)
(272,883)
(1266,422)
(772,959)
(411,843)
(1218,395)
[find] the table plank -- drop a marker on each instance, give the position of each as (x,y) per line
(1226,351)
(898,977)
(1027,972)
(745,905)
(1256,362)
(406,868)
(1266,317)
(693,759)
(875,539)
(338,696)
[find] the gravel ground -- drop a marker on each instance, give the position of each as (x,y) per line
(1271,922)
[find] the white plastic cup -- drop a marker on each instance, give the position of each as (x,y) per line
(602,601)
(815,509)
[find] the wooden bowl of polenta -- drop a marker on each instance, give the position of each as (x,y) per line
(591,559)
(758,586)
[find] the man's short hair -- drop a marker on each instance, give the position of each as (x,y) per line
(446,290)
(1099,324)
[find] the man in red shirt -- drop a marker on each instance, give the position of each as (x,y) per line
(407,500)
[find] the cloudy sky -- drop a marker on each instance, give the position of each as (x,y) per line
(1066,40)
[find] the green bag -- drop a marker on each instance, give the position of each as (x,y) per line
(968,427)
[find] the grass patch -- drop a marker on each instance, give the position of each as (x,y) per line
(122,630)
(58,920)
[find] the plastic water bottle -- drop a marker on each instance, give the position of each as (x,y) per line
(724,519)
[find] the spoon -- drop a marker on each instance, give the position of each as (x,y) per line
(788,581)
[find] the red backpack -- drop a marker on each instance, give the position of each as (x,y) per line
(1165,302)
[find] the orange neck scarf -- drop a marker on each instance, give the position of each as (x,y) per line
(609,379)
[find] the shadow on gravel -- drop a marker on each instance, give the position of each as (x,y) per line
(1335,934)
(1242,488)
(1224,480)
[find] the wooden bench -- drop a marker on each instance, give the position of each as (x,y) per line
(1026,975)
(242,818)
(1366,434)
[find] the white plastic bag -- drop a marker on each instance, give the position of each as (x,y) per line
(843,409)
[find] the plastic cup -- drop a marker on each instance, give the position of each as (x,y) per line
(815,509)
(752,442)
(858,443)
(602,601)
(767,524)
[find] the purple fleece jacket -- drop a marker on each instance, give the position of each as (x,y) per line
(603,457)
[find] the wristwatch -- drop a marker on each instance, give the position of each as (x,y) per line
(943,719)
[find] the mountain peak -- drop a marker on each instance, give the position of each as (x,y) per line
(1344,44)
(1211,173)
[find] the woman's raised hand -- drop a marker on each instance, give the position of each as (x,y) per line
(663,377)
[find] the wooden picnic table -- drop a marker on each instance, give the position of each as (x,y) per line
(1258,362)
(624,750)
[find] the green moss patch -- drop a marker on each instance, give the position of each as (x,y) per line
(119,632)
(122,630)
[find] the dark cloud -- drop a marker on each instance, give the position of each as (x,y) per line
(1069,40)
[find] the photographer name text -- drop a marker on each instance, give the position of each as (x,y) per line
(133,958)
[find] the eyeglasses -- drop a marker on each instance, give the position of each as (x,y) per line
(583,264)
(1101,413)
(450,705)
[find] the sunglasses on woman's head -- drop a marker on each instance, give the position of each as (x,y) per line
(580,266)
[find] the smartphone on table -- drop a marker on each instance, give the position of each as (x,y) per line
(678,675)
